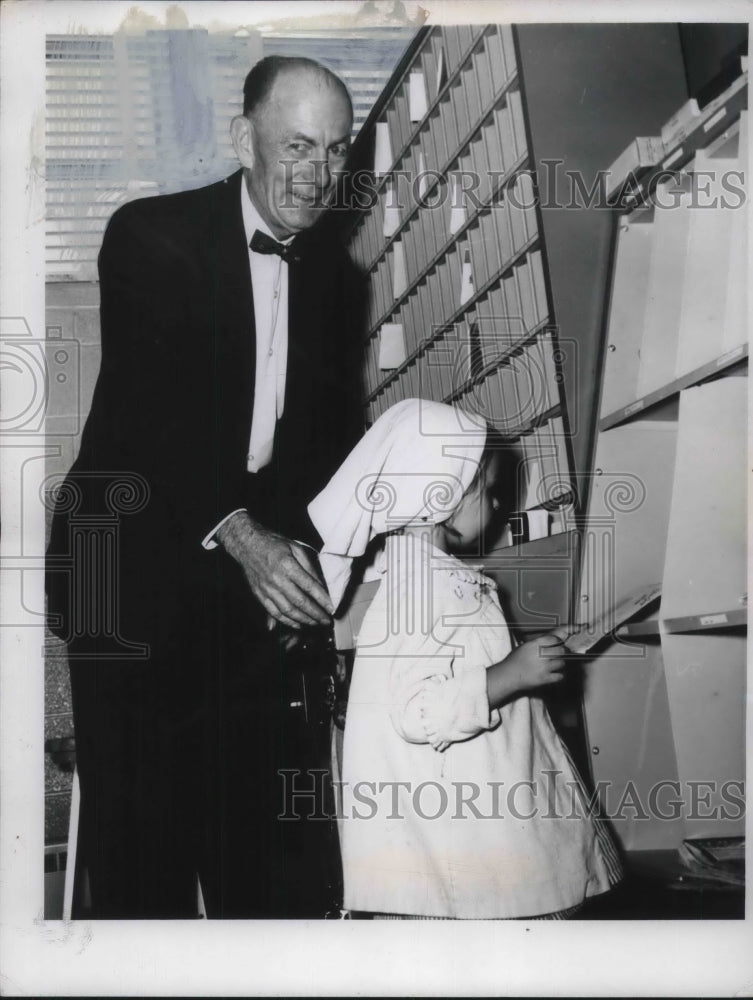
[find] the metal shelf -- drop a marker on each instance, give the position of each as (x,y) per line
(711,368)
(712,622)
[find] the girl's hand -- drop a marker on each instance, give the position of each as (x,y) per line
(538,662)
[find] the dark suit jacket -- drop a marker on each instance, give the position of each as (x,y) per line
(174,400)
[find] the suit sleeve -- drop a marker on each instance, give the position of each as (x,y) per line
(129,425)
(144,411)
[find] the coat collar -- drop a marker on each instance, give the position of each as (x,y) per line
(228,240)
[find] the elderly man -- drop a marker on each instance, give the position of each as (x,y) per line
(227,396)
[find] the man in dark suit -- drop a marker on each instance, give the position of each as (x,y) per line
(226,398)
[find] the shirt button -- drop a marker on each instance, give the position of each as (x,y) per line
(250,458)
(270,352)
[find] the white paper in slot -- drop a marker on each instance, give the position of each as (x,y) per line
(391,221)
(466,277)
(538,524)
(417,100)
(537,467)
(392,351)
(441,70)
(558,439)
(399,274)
(515,105)
(534,475)
(457,205)
(382,150)
(423,179)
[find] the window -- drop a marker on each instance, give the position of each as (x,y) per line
(137,114)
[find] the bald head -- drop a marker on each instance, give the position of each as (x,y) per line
(261,79)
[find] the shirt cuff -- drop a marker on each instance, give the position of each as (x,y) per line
(209,542)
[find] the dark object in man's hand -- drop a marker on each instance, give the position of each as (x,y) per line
(310,663)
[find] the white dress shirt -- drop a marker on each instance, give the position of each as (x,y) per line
(269,282)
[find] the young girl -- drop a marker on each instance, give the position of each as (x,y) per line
(459,799)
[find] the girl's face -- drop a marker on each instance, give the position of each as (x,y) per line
(478,509)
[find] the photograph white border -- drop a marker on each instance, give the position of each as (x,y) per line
(213,958)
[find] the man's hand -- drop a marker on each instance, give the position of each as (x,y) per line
(281,573)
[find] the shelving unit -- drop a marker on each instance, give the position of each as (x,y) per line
(664,700)
(481,292)
(490,294)
(460,308)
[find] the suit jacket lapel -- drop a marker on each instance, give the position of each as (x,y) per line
(234,327)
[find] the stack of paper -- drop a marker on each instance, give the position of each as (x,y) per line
(681,124)
(642,153)
(712,862)
(588,635)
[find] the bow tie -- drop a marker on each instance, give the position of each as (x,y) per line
(261,243)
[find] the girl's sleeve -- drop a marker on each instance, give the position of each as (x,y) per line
(435,697)
(456,709)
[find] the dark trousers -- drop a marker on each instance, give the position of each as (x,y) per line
(209,759)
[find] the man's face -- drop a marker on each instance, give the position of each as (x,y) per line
(300,139)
